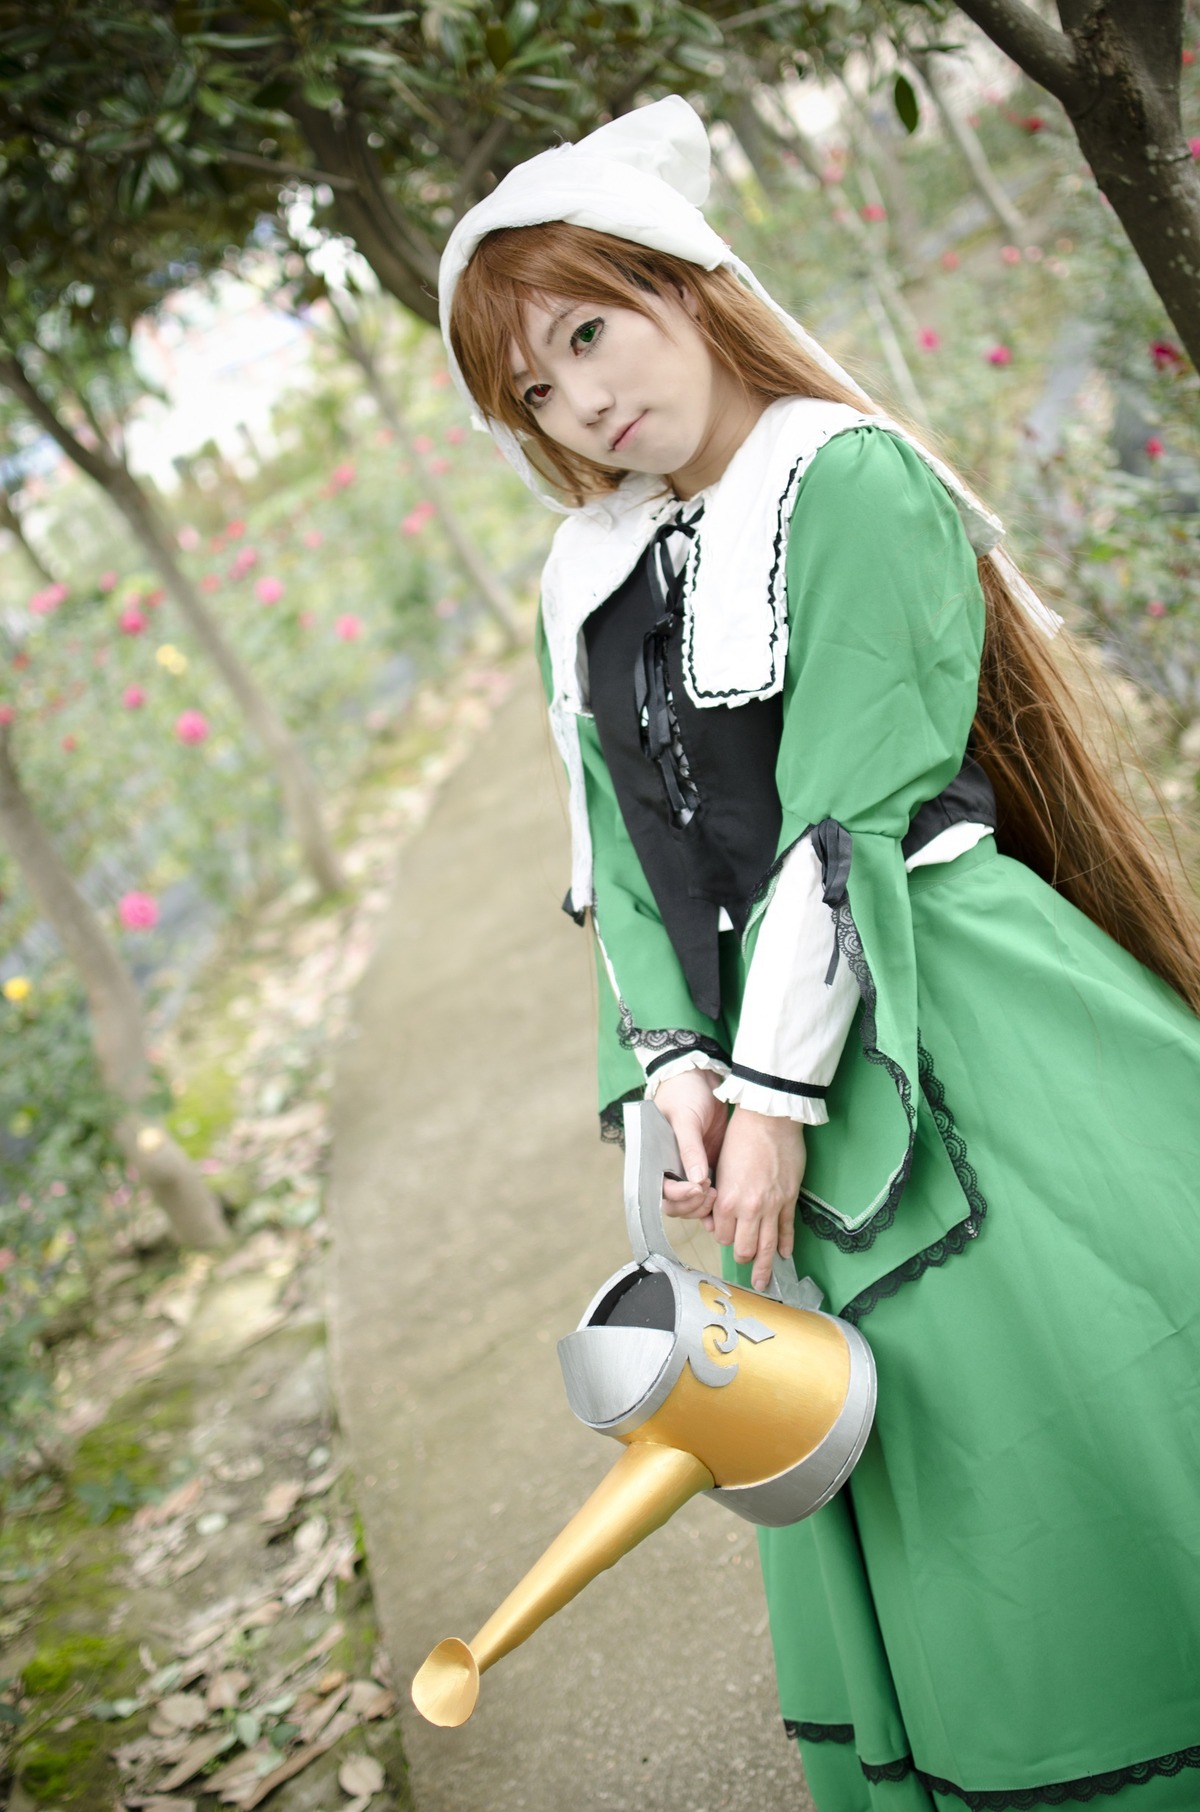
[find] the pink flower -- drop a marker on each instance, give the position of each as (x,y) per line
(306,619)
(929,339)
(455,436)
(999,355)
(1154,447)
(1033,254)
(191,726)
(8,1258)
(153,599)
(417,517)
(70,744)
(188,538)
(245,558)
(439,466)
(133,698)
(348,628)
(138,911)
(1011,254)
(313,538)
(269,591)
(949,261)
(1156,608)
(47,600)
(1032,123)
(7,714)
(422,444)
(131,621)
(874,210)
(1194,147)
(235,530)
(440,379)
(1165,354)
(106,581)
(342,475)
(210,582)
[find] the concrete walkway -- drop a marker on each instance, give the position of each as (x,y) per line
(476,1213)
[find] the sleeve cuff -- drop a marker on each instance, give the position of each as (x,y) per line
(684,1060)
(778,1104)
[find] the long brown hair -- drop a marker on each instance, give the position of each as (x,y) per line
(1057,810)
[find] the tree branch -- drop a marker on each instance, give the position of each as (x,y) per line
(16,380)
(1042,52)
(272,166)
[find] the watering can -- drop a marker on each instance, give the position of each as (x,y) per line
(760,1400)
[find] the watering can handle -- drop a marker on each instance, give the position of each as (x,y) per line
(651,1153)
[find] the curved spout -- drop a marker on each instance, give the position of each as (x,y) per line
(642,1491)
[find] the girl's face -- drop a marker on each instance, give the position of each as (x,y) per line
(639,393)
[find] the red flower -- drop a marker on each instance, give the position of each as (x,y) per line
(131,621)
(47,600)
(1033,122)
(949,261)
(209,582)
(7,714)
(416,519)
(138,911)
(1011,254)
(1156,608)
(999,355)
(20,661)
(235,530)
(422,444)
(133,698)
(929,339)
(69,744)
(1189,57)
(348,628)
(1165,355)
(874,210)
(191,726)
(1154,447)
(455,436)
(153,599)
(341,476)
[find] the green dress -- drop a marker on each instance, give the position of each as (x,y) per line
(1002,1608)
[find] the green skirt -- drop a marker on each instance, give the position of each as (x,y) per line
(1002,1609)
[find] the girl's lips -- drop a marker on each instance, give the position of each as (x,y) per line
(624,436)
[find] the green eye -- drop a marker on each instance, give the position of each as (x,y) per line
(588,334)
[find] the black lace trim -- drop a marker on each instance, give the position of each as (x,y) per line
(1078,1792)
(671,1040)
(612,1120)
(959,1236)
(818,1733)
(850,945)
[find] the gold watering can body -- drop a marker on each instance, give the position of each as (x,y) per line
(760,1400)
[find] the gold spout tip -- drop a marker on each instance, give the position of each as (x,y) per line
(446,1687)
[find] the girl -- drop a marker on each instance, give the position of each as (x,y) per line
(909,981)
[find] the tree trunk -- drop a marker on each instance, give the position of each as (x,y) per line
(399,254)
(10,520)
(283,751)
(1115,67)
(105,469)
(1008,216)
(115,1013)
(491,589)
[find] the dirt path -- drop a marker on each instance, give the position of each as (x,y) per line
(475,1213)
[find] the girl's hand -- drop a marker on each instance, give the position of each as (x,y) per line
(758,1179)
(697,1119)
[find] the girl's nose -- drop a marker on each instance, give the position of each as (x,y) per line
(588,399)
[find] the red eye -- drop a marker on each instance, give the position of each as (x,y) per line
(537,393)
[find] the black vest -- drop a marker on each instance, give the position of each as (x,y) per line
(696,788)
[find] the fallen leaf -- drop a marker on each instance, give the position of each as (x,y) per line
(320,1485)
(318,1720)
(197,1755)
(281,1500)
(158,1802)
(225,1689)
(212,1522)
(337,1676)
(310,1535)
(369,1700)
(360,1774)
(176,1503)
(243,1771)
(183,1710)
(252,1796)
